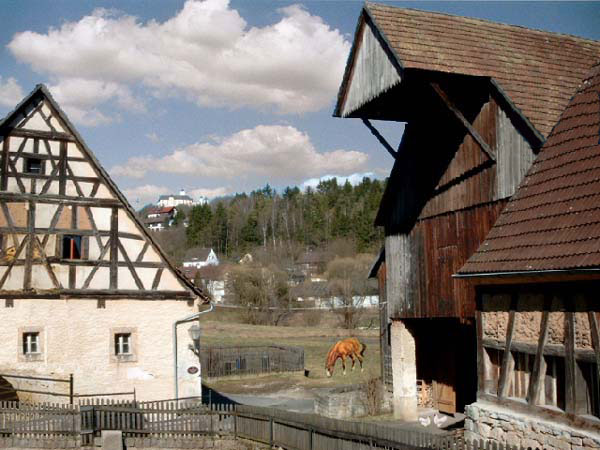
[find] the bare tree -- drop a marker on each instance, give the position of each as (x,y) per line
(348,287)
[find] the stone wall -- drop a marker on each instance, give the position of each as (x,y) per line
(489,422)
(347,401)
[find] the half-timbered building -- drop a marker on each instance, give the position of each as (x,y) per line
(537,275)
(85,290)
(478,99)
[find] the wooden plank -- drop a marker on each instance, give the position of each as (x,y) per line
(68,200)
(458,114)
(570,380)
(505,370)
(535,382)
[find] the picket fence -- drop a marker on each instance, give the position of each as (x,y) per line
(184,423)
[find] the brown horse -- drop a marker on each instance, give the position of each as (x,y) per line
(350,347)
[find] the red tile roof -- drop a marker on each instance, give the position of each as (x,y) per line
(553,221)
(539,71)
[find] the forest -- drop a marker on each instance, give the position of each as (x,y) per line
(332,216)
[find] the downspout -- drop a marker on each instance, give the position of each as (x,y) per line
(178,322)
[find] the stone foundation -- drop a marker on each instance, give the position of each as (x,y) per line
(489,422)
(347,401)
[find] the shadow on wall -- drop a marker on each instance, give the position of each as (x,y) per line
(210,396)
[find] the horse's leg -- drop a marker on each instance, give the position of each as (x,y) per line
(360,360)
(344,363)
(353,361)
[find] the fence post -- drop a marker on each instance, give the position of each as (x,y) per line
(271,432)
(71,388)
(310,439)
(235,424)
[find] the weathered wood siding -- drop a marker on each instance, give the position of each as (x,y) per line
(420,264)
(372,74)
(513,154)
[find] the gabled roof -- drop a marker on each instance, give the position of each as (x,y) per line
(552,223)
(199,253)
(537,71)
(42,92)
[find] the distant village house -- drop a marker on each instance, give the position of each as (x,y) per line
(200,257)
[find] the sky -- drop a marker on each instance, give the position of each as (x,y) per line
(216,96)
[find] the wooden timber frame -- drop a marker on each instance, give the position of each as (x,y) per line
(567,299)
(72,197)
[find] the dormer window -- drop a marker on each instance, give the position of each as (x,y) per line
(34,165)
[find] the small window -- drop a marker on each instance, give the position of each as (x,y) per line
(71,247)
(9,303)
(123,344)
(31,343)
(33,165)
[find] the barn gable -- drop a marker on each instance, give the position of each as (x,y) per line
(66,229)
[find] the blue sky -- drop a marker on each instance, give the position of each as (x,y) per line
(214,96)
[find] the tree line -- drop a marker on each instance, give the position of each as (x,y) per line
(283,222)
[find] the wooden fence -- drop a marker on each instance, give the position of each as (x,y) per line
(187,422)
(224,361)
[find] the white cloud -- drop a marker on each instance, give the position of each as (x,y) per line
(206,53)
(267,152)
(353,179)
(153,137)
(147,193)
(11,92)
(208,192)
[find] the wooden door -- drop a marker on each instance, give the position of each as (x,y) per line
(444,385)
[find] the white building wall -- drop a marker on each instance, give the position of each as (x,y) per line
(77,337)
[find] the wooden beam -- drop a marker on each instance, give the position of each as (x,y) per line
(480,354)
(54,135)
(505,370)
(30,245)
(94,294)
(114,249)
(586,355)
(470,129)
(4,174)
(88,280)
(380,138)
(134,274)
(570,380)
(67,200)
(535,380)
(595,332)
(90,263)
(62,173)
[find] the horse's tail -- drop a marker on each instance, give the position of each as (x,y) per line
(363,348)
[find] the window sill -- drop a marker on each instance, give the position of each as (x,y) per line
(124,358)
(32,357)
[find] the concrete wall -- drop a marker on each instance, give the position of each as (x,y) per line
(502,425)
(77,337)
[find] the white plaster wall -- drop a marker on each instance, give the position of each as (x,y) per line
(77,339)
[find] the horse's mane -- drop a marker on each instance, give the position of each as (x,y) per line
(332,355)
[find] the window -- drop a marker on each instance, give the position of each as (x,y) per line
(71,247)
(519,378)
(34,165)
(123,344)
(553,393)
(31,343)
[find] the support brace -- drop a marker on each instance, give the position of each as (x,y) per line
(472,131)
(380,138)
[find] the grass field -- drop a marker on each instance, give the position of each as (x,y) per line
(316,341)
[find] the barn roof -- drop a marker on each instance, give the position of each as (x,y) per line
(552,223)
(537,71)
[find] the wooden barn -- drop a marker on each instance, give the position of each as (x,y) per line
(537,275)
(478,99)
(85,289)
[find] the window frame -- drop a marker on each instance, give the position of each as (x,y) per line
(28,160)
(116,357)
(23,333)
(83,246)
